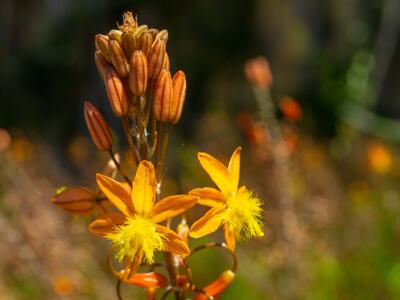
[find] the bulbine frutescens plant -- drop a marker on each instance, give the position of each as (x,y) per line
(134,65)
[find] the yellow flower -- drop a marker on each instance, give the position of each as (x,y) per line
(135,233)
(233,207)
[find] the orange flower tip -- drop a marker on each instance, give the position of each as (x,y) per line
(79,200)
(148,280)
(258,72)
(215,288)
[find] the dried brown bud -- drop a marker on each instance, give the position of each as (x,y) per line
(128,43)
(115,35)
(101,63)
(116,92)
(98,128)
(78,200)
(178,96)
(156,58)
(162,97)
(101,42)
(118,59)
(144,43)
(138,74)
(258,72)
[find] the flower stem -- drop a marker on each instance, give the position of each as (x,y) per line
(112,155)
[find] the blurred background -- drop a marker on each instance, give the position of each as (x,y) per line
(336,72)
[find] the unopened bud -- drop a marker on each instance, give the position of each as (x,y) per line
(178,96)
(138,73)
(101,63)
(98,128)
(162,97)
(144,43)
(258,72)
(167,65)
(101,42)
(118,59)
(156,58)
(116,92)
(78,200)
(115,35)
(147,280)
(215,288)
(154,32)
(139,31)
(128,43)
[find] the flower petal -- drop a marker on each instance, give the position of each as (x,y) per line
(132,265)
(144,188)
(105,224)
(208,196)
(208,223)
(173,242)
(234,167)
(116,192)
(229,237)
(172,206)
(218,172)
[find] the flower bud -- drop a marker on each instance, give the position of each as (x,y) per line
(79,200)
(116,92)
(98,128)
(151,279)
(144,43)
(258,72)
(178,96)
(101,42)
(162,97)
(138,73)
(129,22)
(162,35)
(128,43)
(156,58)
(115,35)
(139,31)
(215,288)
(166,62)
(101,63)
(153,32)
(118,59)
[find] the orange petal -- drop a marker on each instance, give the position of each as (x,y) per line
(217,171)
(215,288)
(147,280)
(144,188)
(234,167)
(208,223)
(105,224)
(172,206)
(116,192)
(173,242)
(208,196)
(229,237)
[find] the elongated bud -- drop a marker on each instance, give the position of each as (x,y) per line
(98,128)
(148,280)
(138,74)
(162,97)
(118,59)
(154,32)
(101,42)
(258,72)
(128,43)
(178,96)
(166,62)
(139,31)
(156,58)
(116,92)
(215,288)
(144,43)
(78,200)
(115,35)
(101,63)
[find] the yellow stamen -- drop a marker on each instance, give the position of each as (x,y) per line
(137,233)
(243,215)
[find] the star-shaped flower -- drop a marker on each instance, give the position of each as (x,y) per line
(135,233)
(233,207)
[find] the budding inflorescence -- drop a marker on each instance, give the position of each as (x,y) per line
(148,98)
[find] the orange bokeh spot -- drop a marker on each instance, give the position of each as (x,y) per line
(379,158)
(291,109)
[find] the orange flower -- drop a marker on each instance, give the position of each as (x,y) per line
(135,232)
(234,207)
